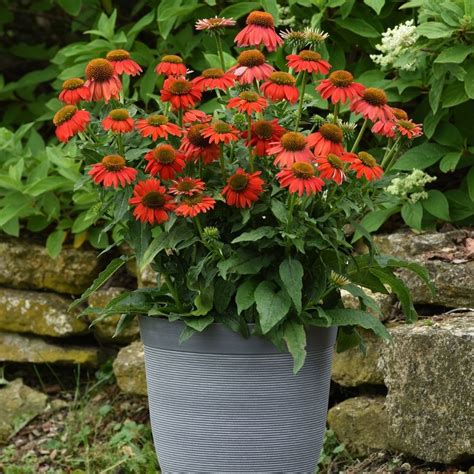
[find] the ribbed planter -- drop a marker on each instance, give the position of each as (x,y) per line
(222,404)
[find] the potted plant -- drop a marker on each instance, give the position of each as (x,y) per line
(248,211)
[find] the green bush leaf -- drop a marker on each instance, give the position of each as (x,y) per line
(455,54)
(245,296)
(254,235)
(239,9)
(469,80)
(272,306)
(450,161)
(54,243)
(420,157)
(73,7)
(454,94)
(412,214)
(294,335)
(434,30)
(376,5)
(437,205)
(359,27)
(199,324)
(291,274)
(374,220)
(470,183)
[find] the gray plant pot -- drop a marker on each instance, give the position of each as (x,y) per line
(223,404)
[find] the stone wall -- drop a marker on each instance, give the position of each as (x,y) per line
(425,372)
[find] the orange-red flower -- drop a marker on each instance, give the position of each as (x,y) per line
(280,86)
(187,186)
(152,203)
(119,121)
(364,164)
(191,206)
(309,61)
(373,105)
(247,102)
(409,129)
(214,78)
(171,65)
(69,121)
(123,63)
(260,29)
(300,178)
(243,188)
(291,148)
(339,87)
(328,139)
(196,116)
(385,128)
(111,171)
(333,166)
(164,161)
(263,134)
(194,145)
(157,126)
(251,66)
(220,132)
(102,81)
(180,93)
(74,91)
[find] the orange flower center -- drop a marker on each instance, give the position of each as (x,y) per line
(282,79)
(331,132)
(221,127)
(335,161)
(213,73)
(118,55)
(193,200)
(400,114)
(249,96)
(375,96)
(153,200)
(251,58)
(195,136)
(260,19)
(74,83)
(293,141)
(171,58)
(307,55)
(99,70)
(165,154)
(263,129)
(119,114)
(180,87)
(64,114)
(302,170)
(407,125)
(341,78)
(113,162)
(239,182)
(155,120)
(367,159)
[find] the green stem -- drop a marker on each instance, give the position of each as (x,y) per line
(291,205)
(336,111)
(120,147)
(199,227)
(172,290)
(220,51)
(359,137)
(249,136)
(389,158)
(300,105)
(200,167)
(221,159)
(180,117)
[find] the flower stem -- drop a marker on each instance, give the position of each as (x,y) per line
(120,147)
(300,105)
(221,159)
(249,136)
(199,227)
(172,290)
(359,137)
(180,117)
(388,158)
(220,51)
(336,111)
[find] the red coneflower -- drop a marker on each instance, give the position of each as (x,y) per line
(220,132)
(301,179)
(260,29)
(214,24)
(69,121)
(214,78)
(123,63)
(180,93)
(191,206)
(387,128)
(157,126)
(309,61)
(196,116)
(243,188)
(332,167)
(247,102)
(340,87)
(171,65)
(409,129)
(152,202)
(164,161)
(263,135)
(111,171)
(187,186)
(102,81)
(328,139)
(119,121)
(364,164)
(251,66)
(74,91)
(194,145)
(373,105)
(280,86)
(291,148)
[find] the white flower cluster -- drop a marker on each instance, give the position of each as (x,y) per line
(411,187)
(397,42)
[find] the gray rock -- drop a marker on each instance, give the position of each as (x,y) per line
(129,369)
(430,402)
(40,313)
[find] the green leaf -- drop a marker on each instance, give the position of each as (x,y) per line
(54,243)
(437,205)
(374,220)
(359,27)
(454,94)
(279,211)
(166,15)
(470,183)
(412,214)
(435,93)
(257,234)
(73,7)
(469,80)
(376,5)
(271,6)
(245,296)
(434,30)
(239,9)
(199,324)
(272,306)
(223,291)
(291,274)
(420,157)
(450,161)
(124,321)
(294,335)
(455,54)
